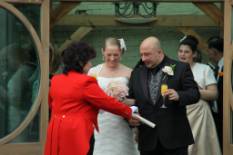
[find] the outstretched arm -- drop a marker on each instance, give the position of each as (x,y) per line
(94,95)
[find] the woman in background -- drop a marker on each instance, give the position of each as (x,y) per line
(116,136)
(199,114)
(75,99)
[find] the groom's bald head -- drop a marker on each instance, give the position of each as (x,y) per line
(151,52)
(151,42)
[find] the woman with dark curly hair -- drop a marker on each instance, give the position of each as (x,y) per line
(75,100)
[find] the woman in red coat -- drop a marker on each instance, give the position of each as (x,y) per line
(75,100)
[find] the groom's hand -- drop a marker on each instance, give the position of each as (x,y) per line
(172,95)
(134,122)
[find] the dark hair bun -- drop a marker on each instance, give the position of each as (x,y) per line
(191,41)
(194,39)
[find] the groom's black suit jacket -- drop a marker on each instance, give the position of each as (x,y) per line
(172,126)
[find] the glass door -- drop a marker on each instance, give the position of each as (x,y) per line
(23,77)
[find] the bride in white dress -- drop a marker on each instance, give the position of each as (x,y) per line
(115,136)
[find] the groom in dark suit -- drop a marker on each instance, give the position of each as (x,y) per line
(172,133)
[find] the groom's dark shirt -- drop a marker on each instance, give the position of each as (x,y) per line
(158,67)
(154,80)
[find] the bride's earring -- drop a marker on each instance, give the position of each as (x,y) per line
(103,58)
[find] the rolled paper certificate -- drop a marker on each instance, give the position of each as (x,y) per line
(145,121)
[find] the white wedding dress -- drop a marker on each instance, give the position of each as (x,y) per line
(115,137)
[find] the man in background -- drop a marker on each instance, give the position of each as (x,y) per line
(215,53)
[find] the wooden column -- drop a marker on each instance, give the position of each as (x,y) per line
(59,12)
(45,40)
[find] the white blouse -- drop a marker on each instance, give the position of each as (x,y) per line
(203,75)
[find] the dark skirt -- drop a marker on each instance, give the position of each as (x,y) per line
(92,143)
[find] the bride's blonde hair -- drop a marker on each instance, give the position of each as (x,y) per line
(112,41)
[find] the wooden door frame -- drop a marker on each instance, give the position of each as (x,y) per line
(40,103)
(227,83)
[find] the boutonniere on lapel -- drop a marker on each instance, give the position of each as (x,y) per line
(169,70)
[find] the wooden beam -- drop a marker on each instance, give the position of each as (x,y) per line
(25,1)
(59,12)
(181,1)
(45,40)
(211,10)
(76,36)
(105,20)
(202,42)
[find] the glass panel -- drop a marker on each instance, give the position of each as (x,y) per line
(19,75)
(32,12)
(31,133)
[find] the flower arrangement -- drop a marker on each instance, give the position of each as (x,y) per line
(117,90)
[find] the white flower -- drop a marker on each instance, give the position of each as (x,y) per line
(168,70)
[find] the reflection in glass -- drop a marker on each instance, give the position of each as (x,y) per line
(31,132)
(19,76)
(32,12)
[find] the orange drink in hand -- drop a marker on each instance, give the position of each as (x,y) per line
(164,88)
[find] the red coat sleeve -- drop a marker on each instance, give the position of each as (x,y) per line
(94,95)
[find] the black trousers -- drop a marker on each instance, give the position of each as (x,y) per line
(92,144)
(218,119)
(160,150)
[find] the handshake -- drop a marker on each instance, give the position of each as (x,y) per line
(136,118)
